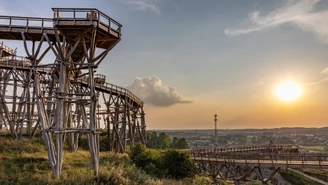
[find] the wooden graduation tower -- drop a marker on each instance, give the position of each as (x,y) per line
(67,94)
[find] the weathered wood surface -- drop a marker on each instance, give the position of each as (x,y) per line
(238,163)
(67,93)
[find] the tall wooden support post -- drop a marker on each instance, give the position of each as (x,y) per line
(13,110)
(93,135)
(29,104)
(40,99)
(2,119)
(124,124)
(60,116)
(8,113)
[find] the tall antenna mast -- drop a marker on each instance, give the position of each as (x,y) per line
(215,134)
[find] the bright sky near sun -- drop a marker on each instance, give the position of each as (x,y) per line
(191,59)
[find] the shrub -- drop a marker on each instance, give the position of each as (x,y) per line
(146,159)
(172,163)
(178,164)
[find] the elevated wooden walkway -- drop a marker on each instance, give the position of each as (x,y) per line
(239,163)
(269,160)
(69,22)
(22,63)
(254,148)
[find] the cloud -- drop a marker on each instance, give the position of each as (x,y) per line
(152,91)
(258,83)
(298,12)
(324,71)
(319,82)
(145,5)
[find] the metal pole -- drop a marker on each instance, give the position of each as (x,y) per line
(215,134)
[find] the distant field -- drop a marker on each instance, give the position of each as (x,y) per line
(315,149)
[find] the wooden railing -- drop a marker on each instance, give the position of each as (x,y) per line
(91,14)
(6,48)
(17,61)
(72,14)
(244,148)
(265,159)
(26,22)
(114,88)
(262,155)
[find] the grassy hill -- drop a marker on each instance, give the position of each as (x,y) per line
(26,162)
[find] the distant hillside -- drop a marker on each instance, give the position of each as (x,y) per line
(277,130)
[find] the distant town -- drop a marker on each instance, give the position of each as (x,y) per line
(313,139)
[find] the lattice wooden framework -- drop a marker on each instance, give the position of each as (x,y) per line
(239,163)
(66,95)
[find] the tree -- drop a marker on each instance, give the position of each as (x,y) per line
(178,164)
(174,143)
(164,141)
(152,139)
(182,143)
(179,143)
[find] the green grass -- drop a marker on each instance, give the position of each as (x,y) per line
(318,173)
(26,162)
(295,178)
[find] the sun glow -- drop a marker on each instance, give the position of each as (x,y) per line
(288,91)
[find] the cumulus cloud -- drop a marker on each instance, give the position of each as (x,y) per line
(298,12)
(152,91)
(145,5)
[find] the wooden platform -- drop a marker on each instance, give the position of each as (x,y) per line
(70,22)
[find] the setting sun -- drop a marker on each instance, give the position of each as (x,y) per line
(288,91)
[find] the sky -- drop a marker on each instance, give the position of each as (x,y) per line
(191,59)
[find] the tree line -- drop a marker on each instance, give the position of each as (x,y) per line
(164,141)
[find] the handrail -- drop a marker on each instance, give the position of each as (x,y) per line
(14,60)
(246,148)
(100,76)
(24,62)
(6,48)
(27,21)
(293,158)
(92,15)
(116,88)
